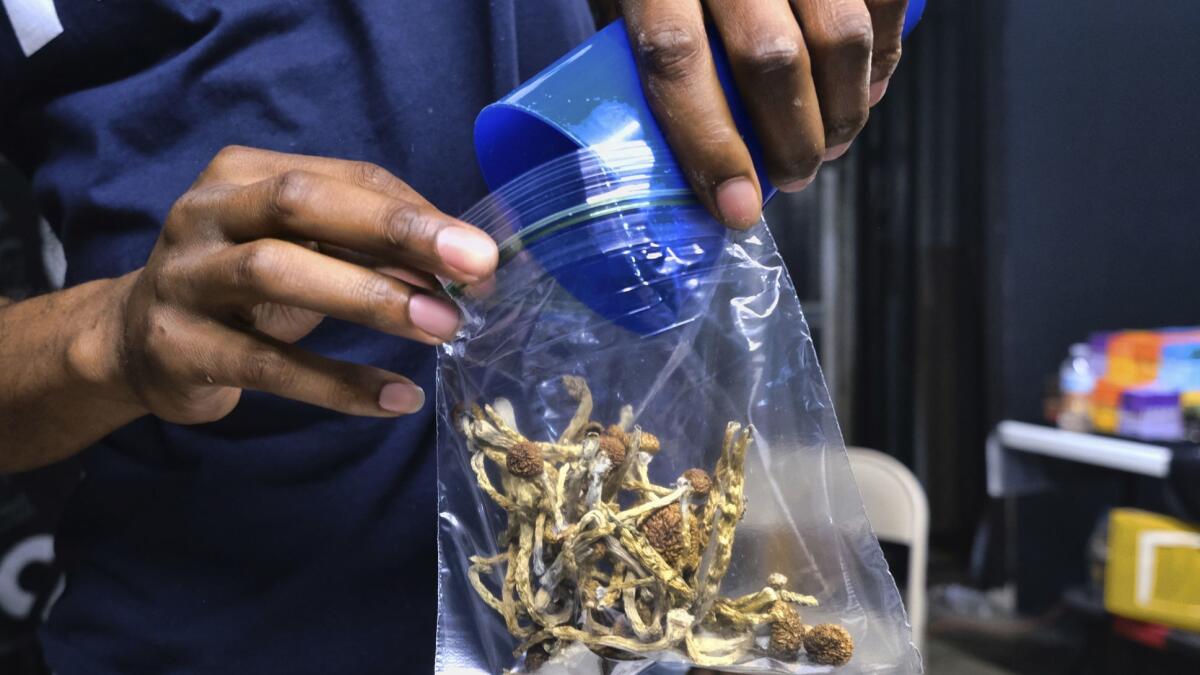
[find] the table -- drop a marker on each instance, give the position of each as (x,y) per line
(1052,486)
(1012,449)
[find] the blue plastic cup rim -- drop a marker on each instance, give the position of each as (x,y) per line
(620,231)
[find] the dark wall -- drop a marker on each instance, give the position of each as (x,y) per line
(915,174)
(1093,160)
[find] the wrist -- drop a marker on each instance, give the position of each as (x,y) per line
(94,351)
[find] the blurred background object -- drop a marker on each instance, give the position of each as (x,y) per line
(896,505)
(1024,186)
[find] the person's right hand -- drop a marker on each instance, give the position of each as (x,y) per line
(256,253)
(808,72)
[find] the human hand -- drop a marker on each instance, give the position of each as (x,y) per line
(256,253)
(807,71)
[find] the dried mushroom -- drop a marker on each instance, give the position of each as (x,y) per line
(616,431)
(787,632)
(595,553)
(650,444)
(524,460)
(700,480)
(828,644)
(614,448)
(664,530)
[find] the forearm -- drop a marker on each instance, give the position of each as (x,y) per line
(61,382)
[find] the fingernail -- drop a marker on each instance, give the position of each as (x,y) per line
(835,152)
(401,397)
(738,203)
(436,317)
(878,89)
(482,289)
(469,251)
(797,185)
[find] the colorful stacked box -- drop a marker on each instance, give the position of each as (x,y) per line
(1148,384)
(1150,414)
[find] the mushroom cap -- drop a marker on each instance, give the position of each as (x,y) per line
(787,632)
(664,530)
(700,480)
(614,448)
(829,644)
(524,460)
(649,444)
(617,432)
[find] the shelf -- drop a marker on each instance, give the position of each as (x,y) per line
(1112,453)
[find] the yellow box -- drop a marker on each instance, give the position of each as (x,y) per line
(1189,399)
(1153,569)
(1105,420)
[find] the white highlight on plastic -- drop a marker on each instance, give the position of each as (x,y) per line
(627,157)
(616,193)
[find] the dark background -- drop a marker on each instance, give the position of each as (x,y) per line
(1030,178)
(1093,167)
(1095,156)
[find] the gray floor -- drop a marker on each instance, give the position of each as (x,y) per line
(943,656)
(957,646)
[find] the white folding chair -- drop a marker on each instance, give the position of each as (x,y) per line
(899,513)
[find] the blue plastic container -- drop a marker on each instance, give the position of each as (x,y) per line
(592,99)
(623,235)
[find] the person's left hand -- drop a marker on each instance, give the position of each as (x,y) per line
(807,71)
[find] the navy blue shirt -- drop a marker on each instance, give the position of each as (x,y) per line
(284,538)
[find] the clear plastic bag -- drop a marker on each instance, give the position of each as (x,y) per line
(627,339)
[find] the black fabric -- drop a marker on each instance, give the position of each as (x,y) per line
(1184,483)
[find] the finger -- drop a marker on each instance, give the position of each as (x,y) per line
(304,205)
(415,279)
(349,255)
(770,64)
(411,277)
(233,358)
(242,166)
(838,34)
(270,270)
(887,24)
(681,85)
